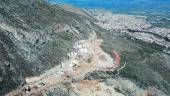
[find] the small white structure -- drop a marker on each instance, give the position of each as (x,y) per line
(72,54)
(75,62)
(83,51)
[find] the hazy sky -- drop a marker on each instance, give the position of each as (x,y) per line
(135,5)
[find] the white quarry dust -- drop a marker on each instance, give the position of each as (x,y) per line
(86,57)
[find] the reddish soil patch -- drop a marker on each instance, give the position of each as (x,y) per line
(116,57)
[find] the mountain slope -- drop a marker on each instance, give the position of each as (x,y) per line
(36,36)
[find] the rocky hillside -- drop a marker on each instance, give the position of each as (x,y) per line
(36,36)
